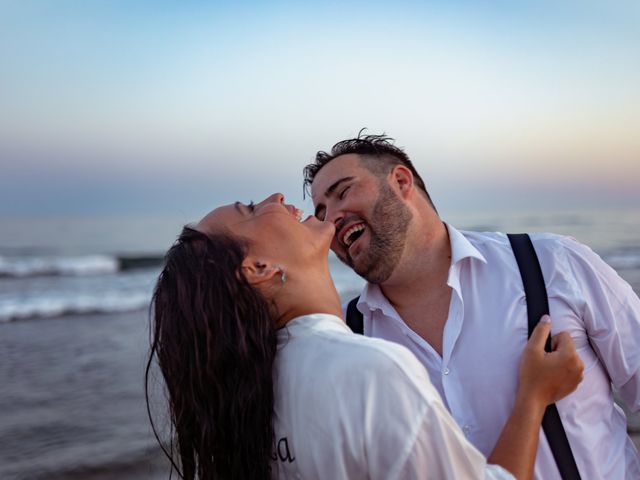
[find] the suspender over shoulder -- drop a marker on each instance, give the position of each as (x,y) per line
(537,305)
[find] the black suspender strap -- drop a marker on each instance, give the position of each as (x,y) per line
(538,305)
(354,317)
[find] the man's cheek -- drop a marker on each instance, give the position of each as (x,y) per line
(335,246)
(340,251)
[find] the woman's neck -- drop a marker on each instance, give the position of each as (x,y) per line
(304,294)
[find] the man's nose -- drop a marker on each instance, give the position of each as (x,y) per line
(334,216)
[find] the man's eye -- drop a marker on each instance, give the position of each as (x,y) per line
(251,206)
(343,192)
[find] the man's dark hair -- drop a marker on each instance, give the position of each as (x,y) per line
(378,155)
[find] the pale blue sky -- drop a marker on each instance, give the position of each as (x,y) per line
(134,107)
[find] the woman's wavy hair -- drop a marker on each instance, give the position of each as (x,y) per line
(215,341)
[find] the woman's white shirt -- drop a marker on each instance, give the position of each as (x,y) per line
(351,407)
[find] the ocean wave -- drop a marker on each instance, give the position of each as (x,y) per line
(36,266)
(40,266)
(51,307)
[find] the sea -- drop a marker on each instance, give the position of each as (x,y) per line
(74,332)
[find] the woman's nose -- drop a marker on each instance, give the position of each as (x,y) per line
(273,198)
(333,217)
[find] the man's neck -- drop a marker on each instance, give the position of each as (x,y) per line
(424,267)
(419,291)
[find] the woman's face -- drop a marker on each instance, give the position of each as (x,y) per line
(273,229)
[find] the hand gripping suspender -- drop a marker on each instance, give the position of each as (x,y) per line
(537,305)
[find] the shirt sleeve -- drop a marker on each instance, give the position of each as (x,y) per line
(611,315)
(410,434)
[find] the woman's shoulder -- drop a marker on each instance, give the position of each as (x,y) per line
(346,357)
(374,351)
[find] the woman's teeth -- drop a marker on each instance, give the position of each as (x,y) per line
(299,214)
(347,236)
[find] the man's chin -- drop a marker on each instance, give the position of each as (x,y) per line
(353,264)
(345,258)
(361,266)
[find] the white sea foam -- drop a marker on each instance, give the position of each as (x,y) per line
(81,265)
(54,306)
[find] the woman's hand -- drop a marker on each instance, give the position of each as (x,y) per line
(545,377)
(549,376)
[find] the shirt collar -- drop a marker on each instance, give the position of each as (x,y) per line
(461,247)
(309,324)
(372,298)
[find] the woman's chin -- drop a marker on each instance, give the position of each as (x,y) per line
(322,233)
(327,234)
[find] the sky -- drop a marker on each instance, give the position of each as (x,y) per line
(151,107)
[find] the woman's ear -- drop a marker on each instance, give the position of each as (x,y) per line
(257,272)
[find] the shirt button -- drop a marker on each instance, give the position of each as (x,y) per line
(445,371)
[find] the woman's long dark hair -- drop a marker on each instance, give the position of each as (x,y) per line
(215,341)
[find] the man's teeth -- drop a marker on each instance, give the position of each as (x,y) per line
(347,236)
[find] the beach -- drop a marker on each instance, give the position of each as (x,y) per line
(74,339)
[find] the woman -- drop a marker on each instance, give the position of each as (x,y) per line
(264,379)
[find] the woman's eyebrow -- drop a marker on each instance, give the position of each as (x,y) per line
(239,206)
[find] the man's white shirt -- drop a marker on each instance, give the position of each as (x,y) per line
(486,331)
(349,407)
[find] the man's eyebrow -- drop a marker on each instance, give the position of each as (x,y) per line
(329,191)
(239,206)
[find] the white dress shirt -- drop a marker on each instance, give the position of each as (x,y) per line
(350,407)
(486,331)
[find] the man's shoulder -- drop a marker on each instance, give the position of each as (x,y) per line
(479,237)
(542,241)
(552,244)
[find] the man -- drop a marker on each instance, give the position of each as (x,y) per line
(456,300)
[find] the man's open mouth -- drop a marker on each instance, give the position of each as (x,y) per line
(352,234)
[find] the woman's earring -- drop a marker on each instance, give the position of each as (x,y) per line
(283,274)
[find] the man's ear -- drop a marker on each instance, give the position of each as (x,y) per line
(257,272)
(402,179)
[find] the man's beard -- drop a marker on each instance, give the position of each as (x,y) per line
(387,230)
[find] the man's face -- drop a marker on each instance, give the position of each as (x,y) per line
(371,220)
